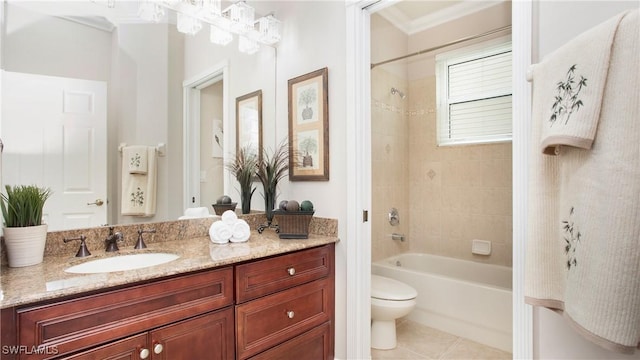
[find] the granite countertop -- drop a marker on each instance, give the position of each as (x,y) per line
(48,280)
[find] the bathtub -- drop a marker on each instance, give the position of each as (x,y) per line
(465,298)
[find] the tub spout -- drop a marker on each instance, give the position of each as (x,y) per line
(396,236)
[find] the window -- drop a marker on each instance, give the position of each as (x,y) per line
(474,94)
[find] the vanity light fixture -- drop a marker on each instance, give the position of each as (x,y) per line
(238,18)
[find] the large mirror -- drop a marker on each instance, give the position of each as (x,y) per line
(92,61)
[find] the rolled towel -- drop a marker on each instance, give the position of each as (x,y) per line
(195,213)
(229,217)
(241,231)
(217,233)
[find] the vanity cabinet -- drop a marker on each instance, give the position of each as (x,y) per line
(280,307)
(153,310)
(205,334)
(285,306)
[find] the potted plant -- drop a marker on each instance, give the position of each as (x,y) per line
(24,233)
(244,168)
(271,170)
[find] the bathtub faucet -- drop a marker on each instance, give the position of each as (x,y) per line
(396,236)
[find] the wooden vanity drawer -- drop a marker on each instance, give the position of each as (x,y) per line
(315,344)
(273,319)
(269,276)
(95,319)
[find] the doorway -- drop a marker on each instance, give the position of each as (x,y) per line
(210,86)
(359,233)
(211,144)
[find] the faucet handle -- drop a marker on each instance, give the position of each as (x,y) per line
(140,243)
(82,251)
(112,240)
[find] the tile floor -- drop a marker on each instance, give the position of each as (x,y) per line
(416,341)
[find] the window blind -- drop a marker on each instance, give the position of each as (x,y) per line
(474,95)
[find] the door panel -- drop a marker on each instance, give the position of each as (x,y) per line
(54,132)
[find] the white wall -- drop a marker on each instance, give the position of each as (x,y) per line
(32,37)
(142,97)
(555,23)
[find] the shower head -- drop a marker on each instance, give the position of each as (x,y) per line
(396,91)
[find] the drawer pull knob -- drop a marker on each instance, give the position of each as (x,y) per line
(144,353)
(290,314)
(291,271)
(157,348)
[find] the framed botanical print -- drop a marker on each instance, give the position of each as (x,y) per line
(309,127)
(249,122)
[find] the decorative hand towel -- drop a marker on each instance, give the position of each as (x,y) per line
(139,190)
(583,241)
(240,231)
(136,159)
(569,84)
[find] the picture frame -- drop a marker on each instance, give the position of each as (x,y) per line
(249,122)
(309,127)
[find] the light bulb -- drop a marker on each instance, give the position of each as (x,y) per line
(188,25)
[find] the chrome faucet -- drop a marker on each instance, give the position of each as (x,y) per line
(111,242)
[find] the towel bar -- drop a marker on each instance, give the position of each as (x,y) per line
(161,149)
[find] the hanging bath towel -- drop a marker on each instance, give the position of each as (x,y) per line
(583,247)
(139,190)
(572,79)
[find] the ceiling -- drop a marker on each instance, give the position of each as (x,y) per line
(412,16)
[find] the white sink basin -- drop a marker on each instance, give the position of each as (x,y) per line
(121,263)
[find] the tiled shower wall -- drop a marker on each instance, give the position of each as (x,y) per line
(390,165)
(458,193)
(446,196)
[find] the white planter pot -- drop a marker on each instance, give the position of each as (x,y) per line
(25,245)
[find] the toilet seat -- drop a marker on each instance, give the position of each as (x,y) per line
(385,288)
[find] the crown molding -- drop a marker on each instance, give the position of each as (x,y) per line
(410,27)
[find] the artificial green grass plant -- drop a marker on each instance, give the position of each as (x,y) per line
(244,168)
(271,170)
(22,205)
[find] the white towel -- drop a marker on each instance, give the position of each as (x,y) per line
(240,232)
(139,190)
(219,233)
(229,217)
(583,249)
(196,213)
(570,83)
(136,159)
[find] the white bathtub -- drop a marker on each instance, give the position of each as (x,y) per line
(464,298)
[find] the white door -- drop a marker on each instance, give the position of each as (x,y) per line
(54,134)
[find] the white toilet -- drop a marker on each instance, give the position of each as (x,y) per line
(390,300)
